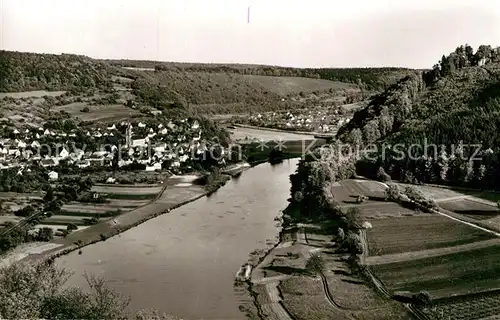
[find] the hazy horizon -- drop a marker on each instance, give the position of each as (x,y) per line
(317,33)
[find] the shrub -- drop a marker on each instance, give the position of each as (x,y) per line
(44,234)
(315,264)
(423,298)
(85,109)
(382,175)
(361,199)
(25,212)
(71,227)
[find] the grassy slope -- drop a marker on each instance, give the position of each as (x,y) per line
(370,78)
(397,235)
(207,88)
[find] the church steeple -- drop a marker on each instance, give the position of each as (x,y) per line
(128,136)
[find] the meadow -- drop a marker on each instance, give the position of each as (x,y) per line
(415,233)
(443,276)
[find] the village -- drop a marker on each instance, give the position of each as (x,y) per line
(315,119)
(61,178)
(169,146)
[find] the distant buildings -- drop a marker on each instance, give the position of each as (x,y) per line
(151,146)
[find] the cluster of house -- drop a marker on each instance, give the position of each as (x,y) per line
(147,145)
(324,121)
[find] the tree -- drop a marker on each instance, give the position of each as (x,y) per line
(341,234)
(54,206)
(38,291)
(44,234)
(298,196)
(49,196)
(352,243)
(71,227)
(423,298)
(382,175)
(315,264)
(352,218)
(25,212)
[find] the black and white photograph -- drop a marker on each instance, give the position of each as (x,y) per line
(250,159)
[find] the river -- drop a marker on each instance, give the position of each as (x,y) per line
(184,262)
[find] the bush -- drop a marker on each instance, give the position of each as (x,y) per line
(423,298)
(315,264)
(38,291)
(71,227)
(382,175)
(85,109)
(44,234)
(89,222)
(25,212)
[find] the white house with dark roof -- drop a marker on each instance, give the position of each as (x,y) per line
(63,154)
(53,176)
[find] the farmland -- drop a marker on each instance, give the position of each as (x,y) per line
(126,190)
(470,208)
(442,276)
(118,199)
(97,112)
(471,307)
(242,133)
(397,235)
(412,251)
(287,85)
(31,94)
(308,302)
(382,210)
(302,295)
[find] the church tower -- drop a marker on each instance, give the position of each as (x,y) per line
(128,136)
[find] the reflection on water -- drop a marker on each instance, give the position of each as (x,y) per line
(184,262)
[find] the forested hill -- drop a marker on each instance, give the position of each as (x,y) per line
(22,71)
(369,78)
(457,102)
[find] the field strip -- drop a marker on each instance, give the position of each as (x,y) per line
(483,201)
(453,198)
(467,223)
(277,308)
(271,279)
(413,255)
(326,289)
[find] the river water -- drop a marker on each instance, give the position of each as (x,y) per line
(184,262)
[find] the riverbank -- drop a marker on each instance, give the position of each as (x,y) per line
(192,253)
(176,192)
(283,287)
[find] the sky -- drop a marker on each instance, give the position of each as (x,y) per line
(307,33)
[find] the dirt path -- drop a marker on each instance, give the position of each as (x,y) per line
(364,243)
(452,198)
(326,289)
(274,296)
